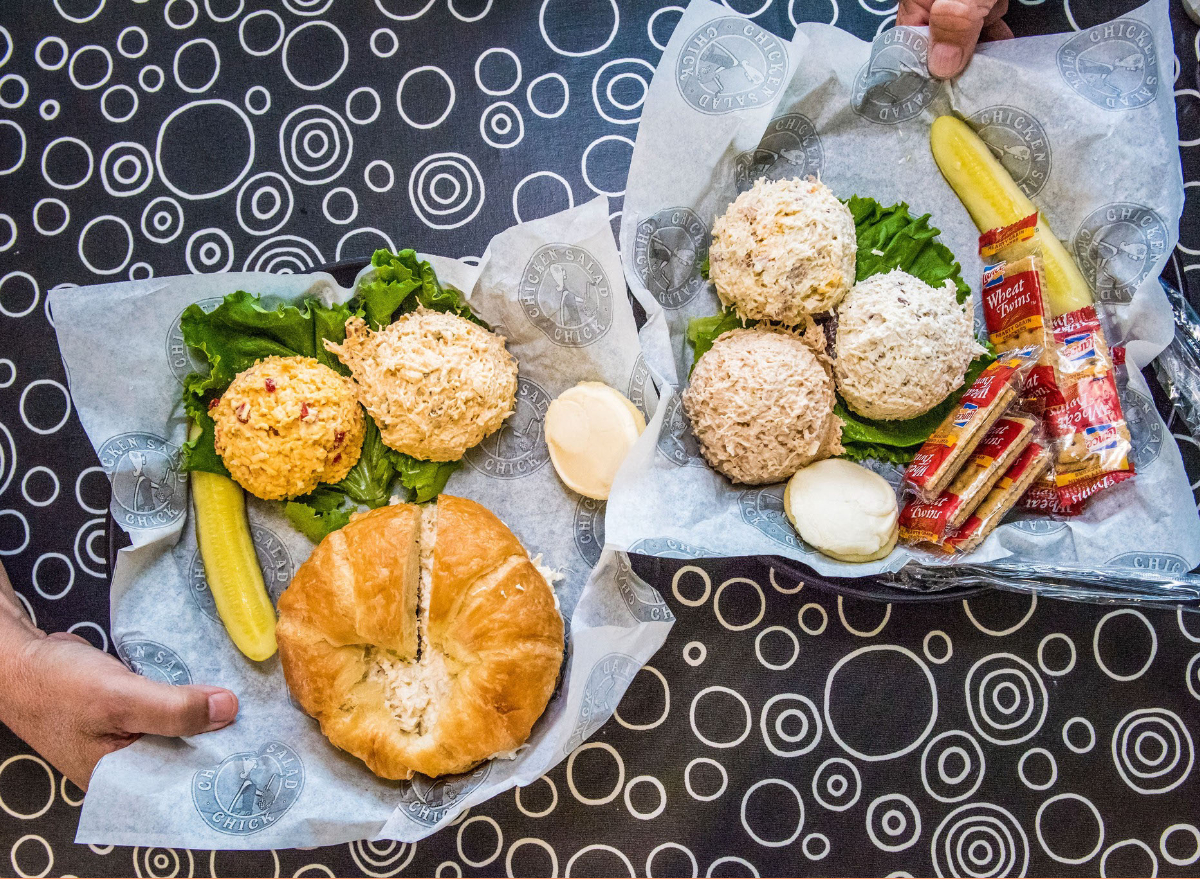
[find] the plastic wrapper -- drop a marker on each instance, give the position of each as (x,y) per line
(995,390)
(930,522)
(1017,479)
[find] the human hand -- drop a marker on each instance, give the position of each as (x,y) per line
(955,26)
(73,704)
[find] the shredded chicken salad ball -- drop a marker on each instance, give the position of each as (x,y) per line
(435,383)
(286,424)
(761,405)
(902,345)
(783,250)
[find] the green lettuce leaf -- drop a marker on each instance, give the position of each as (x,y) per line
(319,514)
(399,283)
(369,481)
(890,238)
(703,331)
(424,480)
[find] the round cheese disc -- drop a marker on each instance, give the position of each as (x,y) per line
(590,428)
(843,510)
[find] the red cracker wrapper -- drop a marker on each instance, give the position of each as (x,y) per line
(941,456)
(1017,480)
(922,522)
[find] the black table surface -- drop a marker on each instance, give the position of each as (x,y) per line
(780,730)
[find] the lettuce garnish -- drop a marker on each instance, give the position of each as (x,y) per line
(243,330)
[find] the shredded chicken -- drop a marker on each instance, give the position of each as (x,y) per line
(761,404)
(783,250)
(902,345)
(435,383)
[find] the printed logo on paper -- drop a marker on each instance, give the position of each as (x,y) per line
(179,357)
(789,148)
(429,800)
(668,548)
(273,558)
(1154,562)
(1113,65)
(643,600)
(1145,428)
(763,508)
(566,294)
(153,660)
(249,791)
(148,491)
(668,250)
(606,683)
(589,529)
(640,388)
(731,64)
(895,85)
(676,442)
(1018,140)
(1038,525)
(1117,247)
(519,447)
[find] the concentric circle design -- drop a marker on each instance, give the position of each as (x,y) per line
(952,766)
(790,725)
(446,190)
(315,144)
(126,169)
(980,839)
(284,255)
(162,220)
(1006,699)
(264,203)
(893,822)
(836,784)
(1152,750)
(209,251)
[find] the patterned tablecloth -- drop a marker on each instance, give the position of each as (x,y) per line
(779,730)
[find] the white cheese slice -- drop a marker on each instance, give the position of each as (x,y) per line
(843,510)
(590,428)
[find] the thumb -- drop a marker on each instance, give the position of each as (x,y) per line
(954,27)
(162,709)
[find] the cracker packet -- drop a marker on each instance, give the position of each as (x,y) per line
(1016,304)
(990,396)
(1088,431)
(929,522)
(1016,481)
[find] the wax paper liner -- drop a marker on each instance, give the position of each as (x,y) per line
(554,288)
(1086,123)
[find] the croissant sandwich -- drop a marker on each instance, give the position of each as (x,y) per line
(423,639)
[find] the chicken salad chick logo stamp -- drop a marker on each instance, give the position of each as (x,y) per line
(148,491)
(153,660)
(668,548)
(669,248)
(519,447)
(589,529)
(676,442)
(179,357)
(640,389)
(894,85)
(763,509)
(250,790)
(1145,428)
(1117,247)
(644,602)
(273,557)
(1113,65)
(1155,562)
(606,683)
(566,294)
(789,148)
(731,64)
(1019,142)
(429,800)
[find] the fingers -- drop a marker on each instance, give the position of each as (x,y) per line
(913,13)
(68,636)
(954,28)
(144,706)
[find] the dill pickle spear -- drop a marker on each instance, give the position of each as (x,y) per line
(230,565)
(993,199)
